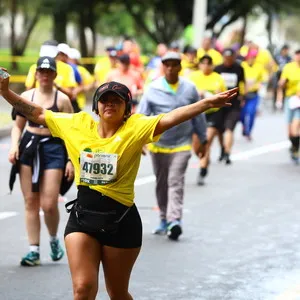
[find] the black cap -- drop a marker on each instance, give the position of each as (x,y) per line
(124,58)
(115,87)
(110,48)
(46,62)
(228,52)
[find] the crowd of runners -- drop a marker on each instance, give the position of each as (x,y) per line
(168,86)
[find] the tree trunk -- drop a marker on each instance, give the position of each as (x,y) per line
(13,13)
(244,30)
(60,26)
(82,37)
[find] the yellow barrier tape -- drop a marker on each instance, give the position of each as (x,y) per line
(31,59)
(17,78)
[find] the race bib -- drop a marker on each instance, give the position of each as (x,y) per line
(231,79)
(98,168)
(294,102)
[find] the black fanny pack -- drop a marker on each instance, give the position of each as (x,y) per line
(96,221)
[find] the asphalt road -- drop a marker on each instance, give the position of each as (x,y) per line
(240,239)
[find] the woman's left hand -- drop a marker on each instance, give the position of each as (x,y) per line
(4,81)
(69,172)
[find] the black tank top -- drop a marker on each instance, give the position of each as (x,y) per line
(54,108)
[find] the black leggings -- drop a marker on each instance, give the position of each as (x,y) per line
(130,230)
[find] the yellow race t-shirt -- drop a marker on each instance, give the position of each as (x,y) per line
(208,84)
(101,70)
(107,165)
(87,79)
(65,76)
(216,56)
(254,76)
(291,73)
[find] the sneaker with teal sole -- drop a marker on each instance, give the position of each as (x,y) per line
(162,228)
(174,230)
(31,259)
(57,251)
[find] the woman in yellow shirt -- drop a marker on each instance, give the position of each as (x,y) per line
(104,225)
(254,76)
(207,83)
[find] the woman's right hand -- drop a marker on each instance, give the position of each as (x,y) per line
(13,155)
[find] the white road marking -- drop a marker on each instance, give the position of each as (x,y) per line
(244,155)
(144,180)
(7,214)
(261,150)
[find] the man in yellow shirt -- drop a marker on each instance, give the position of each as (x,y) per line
(105,64)
(65,79)
(290,81)
(86,76)
(207,83)
(207,49)
(254,76)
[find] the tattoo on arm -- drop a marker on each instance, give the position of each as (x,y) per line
(24,108)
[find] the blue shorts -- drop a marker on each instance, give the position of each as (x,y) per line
(290,114)
(53,153)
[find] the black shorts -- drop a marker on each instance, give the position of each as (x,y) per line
(230,117)
(53,153)
(214,119)
(130,231)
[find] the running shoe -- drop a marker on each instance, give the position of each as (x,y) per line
(57,251)
(200,179)
(162,228)
(295,156)
(221,157)
(227,159)
(174,230)
(31,259)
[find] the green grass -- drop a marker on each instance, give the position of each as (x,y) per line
(5,119)
(23,66)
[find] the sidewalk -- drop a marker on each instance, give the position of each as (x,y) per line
(5,118)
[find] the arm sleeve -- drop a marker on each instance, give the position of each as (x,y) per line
(59,123)
(144,127)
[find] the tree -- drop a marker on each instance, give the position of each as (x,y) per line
(29,19)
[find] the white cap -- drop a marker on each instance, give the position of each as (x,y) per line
(74,54)
(171,55)
(64,48)
(48,50)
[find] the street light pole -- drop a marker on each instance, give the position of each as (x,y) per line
(199,21)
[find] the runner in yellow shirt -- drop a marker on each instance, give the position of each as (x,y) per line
(208,83)
(207,49)
(290,80)
(106,156)
(65,79)
(254,76)
(104,65)
(87,78)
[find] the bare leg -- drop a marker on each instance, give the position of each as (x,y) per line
(117,267)
(228,140)
(49,191)
(84,256)
(32,206)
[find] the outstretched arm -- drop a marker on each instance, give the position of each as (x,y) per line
(30,110)
(184,113)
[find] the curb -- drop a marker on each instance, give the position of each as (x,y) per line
(5,131)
